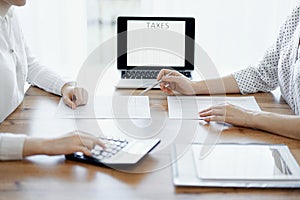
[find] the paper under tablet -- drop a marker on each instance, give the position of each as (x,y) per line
(246,162)
(108,107)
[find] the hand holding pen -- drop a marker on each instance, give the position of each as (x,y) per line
(171,81)
(153,85)
(74,96)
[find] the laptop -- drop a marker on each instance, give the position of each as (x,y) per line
(117,152)
(145,45)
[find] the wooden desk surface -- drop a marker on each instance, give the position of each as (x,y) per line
(43,177)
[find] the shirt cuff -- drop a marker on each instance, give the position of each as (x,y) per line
(11,146)
(58,86)
(244,79)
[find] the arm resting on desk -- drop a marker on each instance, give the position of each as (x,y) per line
(179,83)
(15,147)
(223,85)
(75,142)
(285,125)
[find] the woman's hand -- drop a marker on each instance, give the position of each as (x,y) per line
(175,82)
(74,142)
(74,96)
(228,113)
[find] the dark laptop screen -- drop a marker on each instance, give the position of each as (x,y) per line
(156,42)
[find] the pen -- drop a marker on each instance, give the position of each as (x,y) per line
(74,98)
(153,85)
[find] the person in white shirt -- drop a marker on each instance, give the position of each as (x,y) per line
(18,65)
(280,67)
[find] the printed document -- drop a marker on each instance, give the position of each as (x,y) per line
(187,107)
(108,107)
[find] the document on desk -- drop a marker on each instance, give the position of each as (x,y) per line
(108,107)
(187,107)
(236,165)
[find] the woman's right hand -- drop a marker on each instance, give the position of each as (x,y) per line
(175,82)
(71,143)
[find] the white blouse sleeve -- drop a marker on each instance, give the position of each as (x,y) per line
(41,76)
(264,76)
(11,146)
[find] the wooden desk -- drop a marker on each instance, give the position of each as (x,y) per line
(43,177)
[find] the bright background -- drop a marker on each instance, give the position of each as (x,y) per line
(235,33)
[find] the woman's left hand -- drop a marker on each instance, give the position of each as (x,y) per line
(228,113)
(74,96)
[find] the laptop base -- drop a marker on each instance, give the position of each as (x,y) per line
(135,83)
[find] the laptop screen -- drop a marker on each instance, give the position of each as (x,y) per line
(155,56)
(155,43)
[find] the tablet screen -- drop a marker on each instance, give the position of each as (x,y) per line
(245,162)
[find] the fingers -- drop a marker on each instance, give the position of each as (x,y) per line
(87,142)
(166,89)
(79,96)
(174,81)
(90,141)
(75,97)
(170,79)
(85,151)
(228,113)
(164,72)
(95,141)
(70,143)
(69,102)
(169,83)
(214,113)
(215,119)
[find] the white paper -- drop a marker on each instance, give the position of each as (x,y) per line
(185,107)
(244,162)
(108,107)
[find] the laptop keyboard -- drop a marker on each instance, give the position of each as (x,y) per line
(113,146)
(146,74)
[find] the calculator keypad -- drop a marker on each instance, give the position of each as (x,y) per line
(113,146)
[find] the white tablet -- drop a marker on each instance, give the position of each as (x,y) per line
(245,162)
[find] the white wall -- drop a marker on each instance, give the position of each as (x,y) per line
(235,33)
(56,32)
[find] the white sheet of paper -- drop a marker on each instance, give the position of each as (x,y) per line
(187,107)
(108,107)
(245,162)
